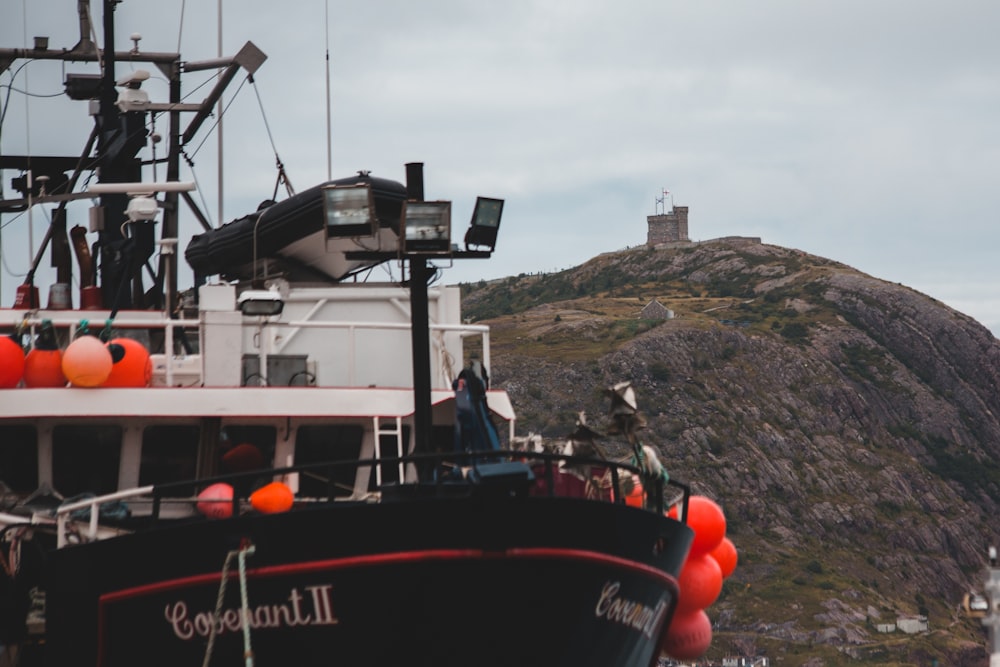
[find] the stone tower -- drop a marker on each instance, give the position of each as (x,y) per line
(669,227)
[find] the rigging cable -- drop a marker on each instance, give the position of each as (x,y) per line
(218,120)
(282,176)
(198,188)
(93,35)
(180,26)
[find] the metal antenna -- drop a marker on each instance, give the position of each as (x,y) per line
(329,140)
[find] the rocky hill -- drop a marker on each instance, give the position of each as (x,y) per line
(849,427)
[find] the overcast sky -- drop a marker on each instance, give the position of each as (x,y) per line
(864,131)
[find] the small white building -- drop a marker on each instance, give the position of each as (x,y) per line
(911,625)
(654,310)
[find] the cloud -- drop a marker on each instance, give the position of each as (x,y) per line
(863,132)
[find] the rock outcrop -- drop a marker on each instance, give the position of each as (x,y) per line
(850,427)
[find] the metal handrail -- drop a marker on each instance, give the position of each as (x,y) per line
(70,321)
(157,494)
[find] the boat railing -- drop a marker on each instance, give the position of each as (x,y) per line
(91,506)
(171,368)
(453,474)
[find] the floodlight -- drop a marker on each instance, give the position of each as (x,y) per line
(485,223)
(260,302)
(349,211)
(426,227)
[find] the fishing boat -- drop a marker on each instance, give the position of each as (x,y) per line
(288,461)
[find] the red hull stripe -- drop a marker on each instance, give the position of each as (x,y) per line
(579,555)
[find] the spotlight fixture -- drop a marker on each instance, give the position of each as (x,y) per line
(485,223)
(349,211)
(426,227)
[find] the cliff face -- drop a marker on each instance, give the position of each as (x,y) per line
(849,427)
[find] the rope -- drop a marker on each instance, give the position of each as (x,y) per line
(246,549)
(282,176)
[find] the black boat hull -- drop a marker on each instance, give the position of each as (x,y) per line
(484,581)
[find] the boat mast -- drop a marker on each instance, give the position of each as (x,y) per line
(120,138)
(119,135)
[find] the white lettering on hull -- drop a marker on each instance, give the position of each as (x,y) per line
(312,609)
(627,612)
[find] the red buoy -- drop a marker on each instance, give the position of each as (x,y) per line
(708,522)
(11,362)
(689,635)
(700,583)
(244,457)
(725,555)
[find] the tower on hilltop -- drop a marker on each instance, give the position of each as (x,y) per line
(667,227)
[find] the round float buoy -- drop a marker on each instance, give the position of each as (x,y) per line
(689,635)
(725,555)
(43,368)
(699,584)
(708,522)
(43,365)
(634,498)
(86,362)
(131,367)
(244,457)
(216,501)
(272,498)
(11,362)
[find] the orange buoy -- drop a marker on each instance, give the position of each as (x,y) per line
(699,584)
(132,365)
(216,501)
(11,362)
(43,368)
(635,498)
(725,555)
(272,498)
(86,362)
(43,364)
(689,635)
(708,522)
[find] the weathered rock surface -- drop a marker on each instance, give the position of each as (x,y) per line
(849,427)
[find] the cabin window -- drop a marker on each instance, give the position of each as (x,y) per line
(85,459)
(19,458)
(320,443)
(169,454)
